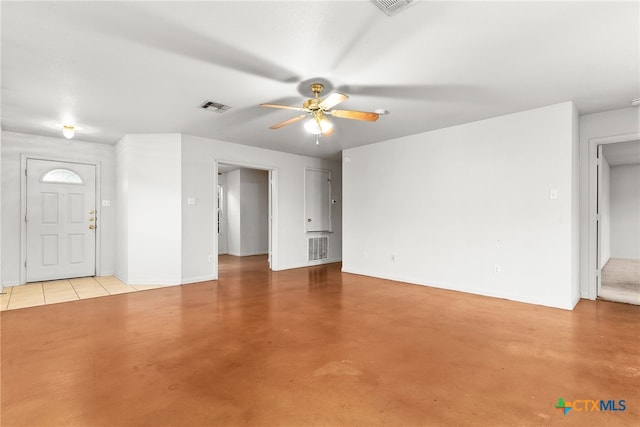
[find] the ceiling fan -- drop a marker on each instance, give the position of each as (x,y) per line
(317,109)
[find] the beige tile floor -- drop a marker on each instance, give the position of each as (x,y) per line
(43,293)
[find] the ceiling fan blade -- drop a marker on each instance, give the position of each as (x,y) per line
(355,115)
(288,122)
(332,100)
(287,107)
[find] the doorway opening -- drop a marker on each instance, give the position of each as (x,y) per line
(618,222)
(245,195)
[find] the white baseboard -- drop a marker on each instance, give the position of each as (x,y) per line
(104,274)
(10,283)
(310,264)
(152,282)
(457,288)
(248,253)
(189,280)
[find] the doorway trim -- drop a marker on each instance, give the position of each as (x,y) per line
(592,199)
(273,208)
(23,210)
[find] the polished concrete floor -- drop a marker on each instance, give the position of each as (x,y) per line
(315,347)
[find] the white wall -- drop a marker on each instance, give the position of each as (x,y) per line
(1,281)
(153,216)
(625,121)
(16,144)
(443,208)
(222,237)
(253,233)
(290,240)
(625,211)
(124,164)
(234,212)
(605,214)
(198,259)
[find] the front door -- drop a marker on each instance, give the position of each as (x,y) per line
(60,220)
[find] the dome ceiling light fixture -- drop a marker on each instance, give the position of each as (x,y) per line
(68,130)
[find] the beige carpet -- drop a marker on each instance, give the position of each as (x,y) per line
(621,281)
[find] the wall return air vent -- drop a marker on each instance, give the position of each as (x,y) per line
(318,248)
(391,7)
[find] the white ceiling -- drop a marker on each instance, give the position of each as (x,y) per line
(622,153)
(144,67)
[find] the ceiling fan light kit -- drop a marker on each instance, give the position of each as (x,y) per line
(317,109)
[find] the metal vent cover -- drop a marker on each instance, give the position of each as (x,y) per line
(391,7)
(214,106)
(318,248)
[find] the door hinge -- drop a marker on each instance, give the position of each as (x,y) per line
(25,172)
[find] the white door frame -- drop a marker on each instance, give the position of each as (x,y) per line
(273,208)
(23,210)
(592,192)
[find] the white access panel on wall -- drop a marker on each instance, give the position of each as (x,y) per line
(317,200)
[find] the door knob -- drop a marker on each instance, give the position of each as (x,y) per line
(91,226)
(308,219)
(91,212)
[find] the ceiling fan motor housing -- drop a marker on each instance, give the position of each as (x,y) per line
(312,104)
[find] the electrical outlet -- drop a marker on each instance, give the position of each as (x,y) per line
(497,269)
(393,257)
(211,258)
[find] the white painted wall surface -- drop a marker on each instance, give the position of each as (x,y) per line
(575,205)
(290,241)
(199,260)
(443,208)
(1,282)
(75,150)
(254,201)
(234,213)
(153,196)
(605,214)
(222,236)
(625,211)
(123,166)
(610,123)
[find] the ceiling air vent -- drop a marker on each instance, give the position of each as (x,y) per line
(391,7)
(214,106)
